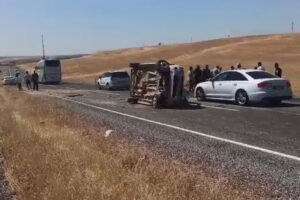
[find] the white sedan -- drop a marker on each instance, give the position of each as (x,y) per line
(244,87)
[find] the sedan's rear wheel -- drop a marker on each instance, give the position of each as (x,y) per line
(242,98)
(200,95)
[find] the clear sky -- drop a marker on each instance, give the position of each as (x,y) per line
(85,26)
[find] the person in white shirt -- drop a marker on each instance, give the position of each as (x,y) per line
(260,67)
(19,81)
(27,80)
(216,71)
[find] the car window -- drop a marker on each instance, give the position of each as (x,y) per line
(260,75)
(236,76)
(221,77)
(120,75)
(105,75)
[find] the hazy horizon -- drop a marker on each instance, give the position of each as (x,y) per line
(84,27)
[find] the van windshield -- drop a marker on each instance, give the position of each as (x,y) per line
(119,75)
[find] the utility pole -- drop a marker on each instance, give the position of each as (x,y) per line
(43,45)
(293,26)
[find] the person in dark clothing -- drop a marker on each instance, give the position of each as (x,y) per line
(239,67)
(191,79)
(198,75)
(206,73)
(35,81)
(278,70)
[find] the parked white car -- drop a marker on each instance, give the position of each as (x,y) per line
(244,87)
(114,80)
(9,80)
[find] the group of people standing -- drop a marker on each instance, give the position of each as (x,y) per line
(31,81)
(199,75)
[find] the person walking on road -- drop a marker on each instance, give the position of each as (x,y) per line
(27,79)
(260,67)
(278,70)
(35,81)
(191,79)
(19,81)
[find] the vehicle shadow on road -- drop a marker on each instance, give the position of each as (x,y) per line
(189,106)
(260,105)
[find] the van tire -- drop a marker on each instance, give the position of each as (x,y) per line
(107,86)
(156,102)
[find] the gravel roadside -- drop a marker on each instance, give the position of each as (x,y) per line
(258,170)
(5,190)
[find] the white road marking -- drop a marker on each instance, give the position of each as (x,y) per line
(252,147)
(220,108)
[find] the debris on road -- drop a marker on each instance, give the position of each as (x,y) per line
(108,133)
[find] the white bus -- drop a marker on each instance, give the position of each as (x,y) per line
(49,71)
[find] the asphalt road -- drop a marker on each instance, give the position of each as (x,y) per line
(259,145)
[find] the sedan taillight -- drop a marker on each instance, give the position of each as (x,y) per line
(264,85)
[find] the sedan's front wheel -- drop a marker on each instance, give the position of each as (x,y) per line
(200,95)
(242,98)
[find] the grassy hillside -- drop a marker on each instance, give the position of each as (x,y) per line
(284,49)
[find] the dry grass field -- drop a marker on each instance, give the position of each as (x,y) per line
(284,49)
(49,156)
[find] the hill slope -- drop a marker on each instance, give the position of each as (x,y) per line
(284,49)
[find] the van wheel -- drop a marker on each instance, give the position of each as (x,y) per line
(156,102)
(107,86)
(200,95)
(241,98)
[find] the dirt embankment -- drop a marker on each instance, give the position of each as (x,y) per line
(52,154)
(284,49)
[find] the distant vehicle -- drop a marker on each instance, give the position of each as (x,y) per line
(244,87)
(9,80)
(49,71)
(114,80)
